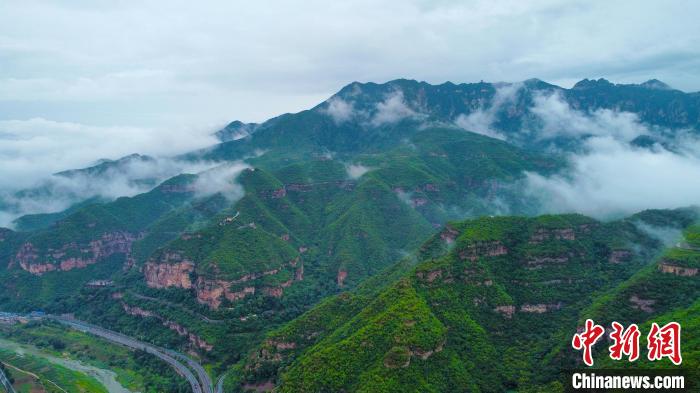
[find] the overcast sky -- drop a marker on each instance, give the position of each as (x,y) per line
(103,78)
(154,63)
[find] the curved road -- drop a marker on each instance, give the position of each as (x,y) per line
(207,385)
(220,384)
(203,385)
(6,383)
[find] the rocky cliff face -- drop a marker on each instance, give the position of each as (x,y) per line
(174,271)
(165,275)
(73,255)
(483,249)
(666,267)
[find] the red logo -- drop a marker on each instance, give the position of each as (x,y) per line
(625,342)
(663,342)
(587,339)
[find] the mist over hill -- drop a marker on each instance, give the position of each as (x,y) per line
(388,216)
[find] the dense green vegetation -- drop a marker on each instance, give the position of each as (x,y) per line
(504,310)
(309,249)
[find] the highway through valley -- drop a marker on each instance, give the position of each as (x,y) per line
(200,384)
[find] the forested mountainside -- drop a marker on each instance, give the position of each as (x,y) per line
(299,232)
(491,307)
(283,215)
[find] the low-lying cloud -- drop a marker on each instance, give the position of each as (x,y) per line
(31,150)
(481,121)
(221,179)
(355,171)
(610,176)
(614,178)
(58,192)
(339,110)
(392,110)
(559,119)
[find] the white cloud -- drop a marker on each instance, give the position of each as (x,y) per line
(392,110)
(221,179)
(669,236)
(559,119)
(56,193)
(478,122)
(618,179)
(355,171)
(31,150)
(481,121)
(339,110)
(405,197)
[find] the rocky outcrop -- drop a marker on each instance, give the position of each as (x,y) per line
(100,283)
(273,291)
(425,354)
(165,275)
(665,267)
(642,304)
(209,292)
(195,340)
(212,292)
(137,311)
(429,276)
(72,255)
(299,273)
(540,262)
(418,202)
(540,308)
(508,311)
(619,256)
(172,270)
(449,234)
(255,276)
(39,268)
(340,279)
(271,351)
(304,187)
(482,249)
(273,194)
(543,234)
(430,187)
(27,256)
(281,345)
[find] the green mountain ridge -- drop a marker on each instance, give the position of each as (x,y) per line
(325,245)
(393,337)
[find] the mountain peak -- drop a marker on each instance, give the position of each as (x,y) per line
(235,130)
(655,84)
(589,83)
